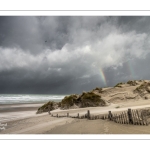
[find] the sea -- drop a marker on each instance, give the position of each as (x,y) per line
(29,98)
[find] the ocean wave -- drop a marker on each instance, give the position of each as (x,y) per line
(12,99)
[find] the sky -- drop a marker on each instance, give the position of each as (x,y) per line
(72,54)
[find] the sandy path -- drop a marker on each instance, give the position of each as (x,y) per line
(98,127)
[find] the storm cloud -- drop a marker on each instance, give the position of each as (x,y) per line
(64,54)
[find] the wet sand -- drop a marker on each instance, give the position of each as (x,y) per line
(11,112)
(19,107)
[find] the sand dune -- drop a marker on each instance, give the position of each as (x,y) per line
(119,98)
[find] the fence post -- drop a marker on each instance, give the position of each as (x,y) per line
(125,120)
(126,113)
(135,115)
(88,114)
(117,118)
(114,117)
(134,118)
(67,114)
(144,119)
(57,115)
(126,116)
(49,109)
(78,116)
(121,118)
(130,116)
(109,115)
(138,117)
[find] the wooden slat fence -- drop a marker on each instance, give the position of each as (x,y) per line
(135,117)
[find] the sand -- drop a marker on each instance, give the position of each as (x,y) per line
(22,119)
(17,111)
(30,123)
(19,107)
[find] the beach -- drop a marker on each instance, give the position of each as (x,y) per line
(25,120)
(9,112)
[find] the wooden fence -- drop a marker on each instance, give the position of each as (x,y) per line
(135,117)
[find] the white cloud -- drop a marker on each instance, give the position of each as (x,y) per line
(112,50)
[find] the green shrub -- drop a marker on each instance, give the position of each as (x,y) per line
(68,101)
(91,99)
(49,105)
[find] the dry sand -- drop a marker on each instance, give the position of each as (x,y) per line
(22,119)
(45,124)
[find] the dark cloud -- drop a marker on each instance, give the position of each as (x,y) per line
(64,54)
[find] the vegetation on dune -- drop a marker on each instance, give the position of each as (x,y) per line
(143,87)
(132,83)
(98,89)
(88,99)
(140,80)
(59,104)
(91,99)
(69,101)
(118,85)
(49,105)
